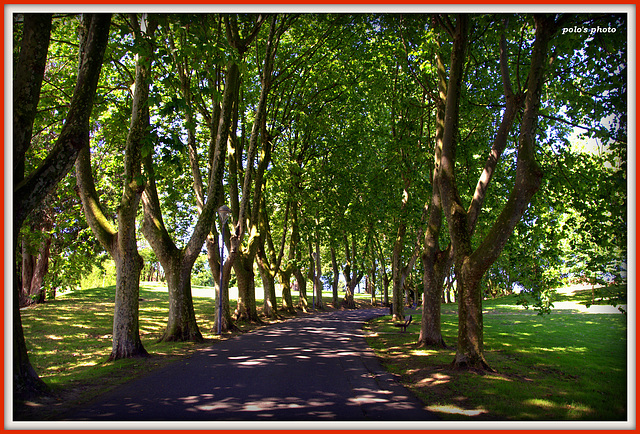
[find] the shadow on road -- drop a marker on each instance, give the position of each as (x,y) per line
(310,368)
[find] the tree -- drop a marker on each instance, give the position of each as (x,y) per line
(247,179)
(435,260)
(121,243)
(471,264)
(269,260)
(178,263)
(35,260)
(31,190)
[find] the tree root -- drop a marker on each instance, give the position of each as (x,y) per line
(476,364)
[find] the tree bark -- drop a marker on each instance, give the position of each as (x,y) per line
(435,264)
(385,276)
(469,349)
(27,82)
(28,264)
(371,284)
(213,255)
(352,274)
(285,280)
(246,309)
(434,267)
(317,281)
(336,277)
(34,269)
(269,304)
(181,323)
(268,270)
(397,294)
(303,302)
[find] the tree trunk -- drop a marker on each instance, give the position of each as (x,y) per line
(268,261)
(213,256)
(470,348)
(35,290)
(122,244)
(26,382)
(317,282)
(28,265)
(177,264)
(385,288)
(287,299)
(267,274)
(126,326)
(397,295)
(181,324)
(246,309)
(349,301)
(448,290)
(434,260)
(30,192)
(336,277)
(371,284)
(27,83)
(350,282)
(303,303)
(269,304)
(433,281)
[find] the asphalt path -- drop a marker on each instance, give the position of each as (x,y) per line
(310,368)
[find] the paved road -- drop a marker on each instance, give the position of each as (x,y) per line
(310,368)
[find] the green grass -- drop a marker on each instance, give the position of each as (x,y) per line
(564,366)
(569,367)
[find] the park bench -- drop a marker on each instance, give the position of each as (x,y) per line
(405,324)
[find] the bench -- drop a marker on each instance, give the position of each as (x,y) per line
(405,324)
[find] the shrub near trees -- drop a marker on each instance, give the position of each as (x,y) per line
(346,145)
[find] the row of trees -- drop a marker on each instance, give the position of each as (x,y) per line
(358,145)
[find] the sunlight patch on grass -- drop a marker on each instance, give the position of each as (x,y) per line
(543,403)
(453,409)
(578,411)
(435,380)
(574,410)
(567,349)
(90,363)
(423,352)
(497,377)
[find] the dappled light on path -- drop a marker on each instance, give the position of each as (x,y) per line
(313,367)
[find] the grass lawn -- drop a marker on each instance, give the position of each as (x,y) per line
(564,366)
